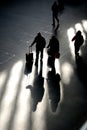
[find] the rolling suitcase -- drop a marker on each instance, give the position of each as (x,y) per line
(29,56)
(29,61)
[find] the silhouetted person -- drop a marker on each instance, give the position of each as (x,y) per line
(53,51)
(37,90)
(53,46)
(53,82)
(55,18)
(78,38)
(40,42)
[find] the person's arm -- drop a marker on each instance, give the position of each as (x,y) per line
(33,43)
(49,44)
(73,38)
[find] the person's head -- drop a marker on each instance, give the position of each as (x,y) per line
(78,33)
(53,37)
(39,34)
(54,3)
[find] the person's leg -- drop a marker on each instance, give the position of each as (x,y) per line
(53,64)
(51,61)
(37,56)
(76,52)
(41,57)
(53,19)
(57,23)
(56,17)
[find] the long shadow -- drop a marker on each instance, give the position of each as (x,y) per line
(37,90)
(82,70)
(8,76)
(53,82)
(82,66)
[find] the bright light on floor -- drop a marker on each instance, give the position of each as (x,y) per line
(84,126)
(84,23)
(2,79)
(57,66)
(22,114)
(7,104)
(15,109)
(45,58)
(67,72)
(71,33)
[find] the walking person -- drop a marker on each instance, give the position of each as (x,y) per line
(53,46)
(78,41)
(40,42)
(53,51)
(55,18)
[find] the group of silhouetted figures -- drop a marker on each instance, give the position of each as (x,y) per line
(53,46)
(53,52)
(53,79)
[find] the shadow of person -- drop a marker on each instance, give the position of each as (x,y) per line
(82,69)
(37,90)
(53,82)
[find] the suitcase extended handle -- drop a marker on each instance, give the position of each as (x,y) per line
(30,49)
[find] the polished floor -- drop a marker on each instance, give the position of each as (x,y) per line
(42,99)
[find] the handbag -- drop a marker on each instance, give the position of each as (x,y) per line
(57,55)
